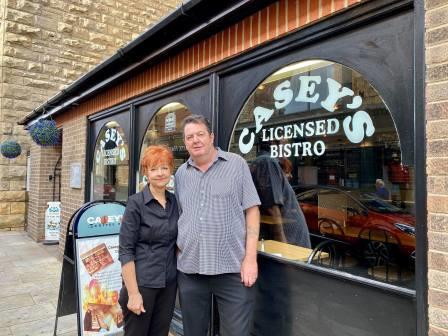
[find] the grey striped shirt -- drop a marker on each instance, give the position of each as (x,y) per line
(212,225)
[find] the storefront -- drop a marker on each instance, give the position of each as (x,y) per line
(325,116)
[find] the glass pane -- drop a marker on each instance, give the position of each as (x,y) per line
(326,160)
(110,173)
(166,129)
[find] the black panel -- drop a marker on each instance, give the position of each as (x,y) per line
(382,53)
(197,99)
(121,117)
(297,301)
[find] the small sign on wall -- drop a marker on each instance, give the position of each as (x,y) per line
(75,175)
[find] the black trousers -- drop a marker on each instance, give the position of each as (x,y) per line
(235,303)
(159,306)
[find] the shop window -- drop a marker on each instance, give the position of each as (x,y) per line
(110,175)
(165,128)
(325,157)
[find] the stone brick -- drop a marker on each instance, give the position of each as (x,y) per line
(438,317)
(437,166)
(436,17)
(8,221)
(21,29)
(438,299)
(434,331)
(16,39)
(19,16)
(437,148)
(438,241)
(438,185)
(4,185)
(437,111)
(18,208)
(438,223)
(5,208)
(26,6)
(437,72)
(437,204)
(12,196)
(436,92)
(437,261)
(431,4)
(17,185)
(437,35)
(436,54)
(17,172)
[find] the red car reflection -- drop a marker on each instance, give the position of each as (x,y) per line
(362,220)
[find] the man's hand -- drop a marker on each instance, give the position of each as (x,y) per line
(135,304)
(249,271)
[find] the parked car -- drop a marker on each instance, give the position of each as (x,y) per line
(376,228)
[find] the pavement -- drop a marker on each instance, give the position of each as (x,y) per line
(29,287)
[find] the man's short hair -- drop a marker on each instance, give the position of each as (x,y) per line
(379,182)
(196,119)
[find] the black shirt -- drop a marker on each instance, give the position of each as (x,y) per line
(148,237)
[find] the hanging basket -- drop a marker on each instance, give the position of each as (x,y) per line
(10,149)
(45,133)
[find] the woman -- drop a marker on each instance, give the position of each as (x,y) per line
(147,249)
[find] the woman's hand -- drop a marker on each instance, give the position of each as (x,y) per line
(135,303)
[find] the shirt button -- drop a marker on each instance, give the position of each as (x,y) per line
(202,204)
(200,218)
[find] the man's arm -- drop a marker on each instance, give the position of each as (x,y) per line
(249,268)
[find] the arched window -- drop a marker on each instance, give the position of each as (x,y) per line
(325,156)
(110,175)
(165,128)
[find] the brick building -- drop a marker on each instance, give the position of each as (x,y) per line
(389,56)
(44,46)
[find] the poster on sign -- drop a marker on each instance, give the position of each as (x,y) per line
(52,222)
(99,284)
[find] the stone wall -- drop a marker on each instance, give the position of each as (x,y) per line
(436,40)
(44,46)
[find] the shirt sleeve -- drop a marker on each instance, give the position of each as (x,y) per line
(129,232)
(176,191)
(249,192)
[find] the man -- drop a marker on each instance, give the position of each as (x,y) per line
(217,234)
(381,189)
(279,203)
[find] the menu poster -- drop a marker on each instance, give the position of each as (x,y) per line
(99,284)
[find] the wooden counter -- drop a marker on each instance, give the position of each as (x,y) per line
(287,251)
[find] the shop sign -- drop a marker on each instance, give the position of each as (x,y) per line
(102,219)
(52,221)
(356,127)
(170,122)
(112,148)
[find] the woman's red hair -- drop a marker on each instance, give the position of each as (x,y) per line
(156,155)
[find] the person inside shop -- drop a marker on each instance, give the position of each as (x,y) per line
(282,218)
(381,190)
(147,249)
(218,234)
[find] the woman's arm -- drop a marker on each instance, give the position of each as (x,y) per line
(129,233)
(135,301)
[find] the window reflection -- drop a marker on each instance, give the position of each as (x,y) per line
(166,129)
(326,160)
(110,173)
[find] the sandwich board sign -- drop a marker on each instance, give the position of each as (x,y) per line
(95,268)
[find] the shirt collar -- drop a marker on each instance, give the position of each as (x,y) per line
(220,155)
(148,197)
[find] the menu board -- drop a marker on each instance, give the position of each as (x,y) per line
(99,284)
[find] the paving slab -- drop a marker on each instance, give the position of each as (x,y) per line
(29,287)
